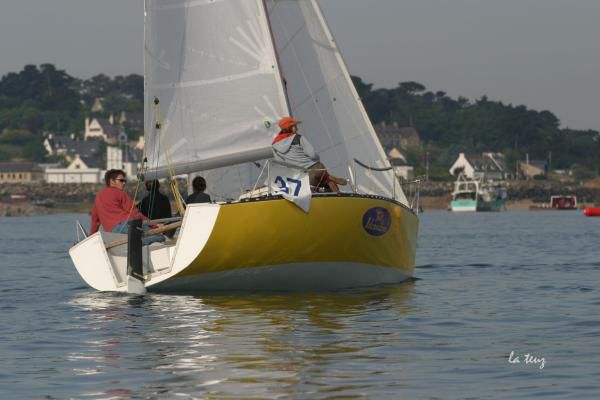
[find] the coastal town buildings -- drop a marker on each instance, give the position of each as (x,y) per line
(104,146)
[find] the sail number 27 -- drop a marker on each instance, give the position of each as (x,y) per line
(284,185)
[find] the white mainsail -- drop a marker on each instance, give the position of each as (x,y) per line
(212,67)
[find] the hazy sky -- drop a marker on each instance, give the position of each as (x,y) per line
(544,54)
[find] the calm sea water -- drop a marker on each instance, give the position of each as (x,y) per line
(526,283)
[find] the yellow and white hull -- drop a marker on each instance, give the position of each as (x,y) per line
(345,241)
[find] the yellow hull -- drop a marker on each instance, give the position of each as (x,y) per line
(345,241)
(339,230)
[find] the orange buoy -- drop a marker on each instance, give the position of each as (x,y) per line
(591,211)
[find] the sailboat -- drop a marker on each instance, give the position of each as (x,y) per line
(218,77)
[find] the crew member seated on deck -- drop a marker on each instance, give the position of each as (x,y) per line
(156,205)
(113,208)
(198,195)
(293,148)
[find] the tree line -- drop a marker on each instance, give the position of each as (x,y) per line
(46,99)
(449,126)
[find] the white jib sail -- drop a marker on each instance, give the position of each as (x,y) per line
(322,96)
(212,66)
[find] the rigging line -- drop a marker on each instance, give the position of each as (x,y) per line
(260,175)
(137,187)
(372,168)
(239,174)
(372,179)
(135,194)
(170,166)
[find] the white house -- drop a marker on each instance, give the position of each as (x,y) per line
(490,166)
(64,175)
(76,172)
(104,129)
(398,162)
(80,170)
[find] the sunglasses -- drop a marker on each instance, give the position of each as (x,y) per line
(121,180)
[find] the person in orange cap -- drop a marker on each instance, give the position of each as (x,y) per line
(292,148)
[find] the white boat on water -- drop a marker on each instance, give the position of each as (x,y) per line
(219,75)
(477,195)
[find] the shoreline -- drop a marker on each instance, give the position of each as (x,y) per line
(438,203)
(30,210)
(79,198)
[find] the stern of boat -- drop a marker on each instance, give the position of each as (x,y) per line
(92,261)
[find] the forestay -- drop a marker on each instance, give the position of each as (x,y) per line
(211,65)
(322,95)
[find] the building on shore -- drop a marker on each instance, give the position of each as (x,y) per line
(529,169)
(487,165)
(394,136)
(20,172)
(402,170)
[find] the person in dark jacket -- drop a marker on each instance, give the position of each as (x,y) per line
(198,196)
(156,205)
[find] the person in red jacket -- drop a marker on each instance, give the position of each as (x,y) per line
(113,208)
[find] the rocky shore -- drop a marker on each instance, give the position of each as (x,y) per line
(72,197)
(22,199)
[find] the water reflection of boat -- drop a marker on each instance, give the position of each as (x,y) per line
(477,195)
(557,203)
(236,344)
